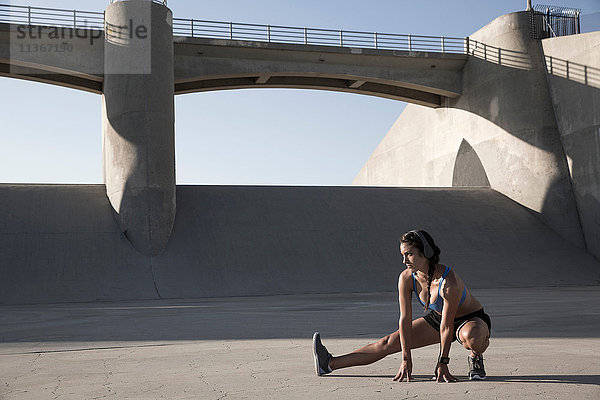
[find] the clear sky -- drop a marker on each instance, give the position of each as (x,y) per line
(262,136)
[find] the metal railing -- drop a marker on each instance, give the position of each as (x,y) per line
(553,21)
(316,36)
(27,15)
(500,56)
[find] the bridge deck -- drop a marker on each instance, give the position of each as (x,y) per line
(215,64)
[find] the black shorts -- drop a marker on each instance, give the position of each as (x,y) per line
(435,320)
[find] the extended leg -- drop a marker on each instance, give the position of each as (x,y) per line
(423,335)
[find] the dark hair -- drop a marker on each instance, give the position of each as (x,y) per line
(413,239)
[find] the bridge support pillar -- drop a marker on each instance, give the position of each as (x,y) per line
(138,122)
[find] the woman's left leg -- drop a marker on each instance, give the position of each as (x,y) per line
(474,335)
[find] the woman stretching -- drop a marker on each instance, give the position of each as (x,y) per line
(455,315)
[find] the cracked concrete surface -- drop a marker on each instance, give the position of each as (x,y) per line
(545,345)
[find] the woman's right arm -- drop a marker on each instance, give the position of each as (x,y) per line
(405,325)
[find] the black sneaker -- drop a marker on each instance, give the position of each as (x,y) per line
(321,355)
(476,369)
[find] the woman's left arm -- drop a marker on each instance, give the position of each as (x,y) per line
(451,294)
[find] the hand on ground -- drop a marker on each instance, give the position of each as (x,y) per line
(442,374)
(405,371)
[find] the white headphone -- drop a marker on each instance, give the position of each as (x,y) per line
(427,249)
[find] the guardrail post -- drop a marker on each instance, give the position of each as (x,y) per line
(467,44)
(305,36)
(409,43)
(75,19)
(375,40)
(192,25)
(28,15)
(269,33)
(231,30)
(341,38)
(443,47)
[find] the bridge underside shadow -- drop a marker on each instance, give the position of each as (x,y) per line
(61,243)
(58,78)
(338,84)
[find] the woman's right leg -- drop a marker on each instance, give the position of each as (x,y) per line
(423,335)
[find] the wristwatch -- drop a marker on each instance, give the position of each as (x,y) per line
(443,360)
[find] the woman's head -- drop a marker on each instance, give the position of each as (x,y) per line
(414,246)
(414,240)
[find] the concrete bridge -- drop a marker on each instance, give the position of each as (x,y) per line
(211,55)
(130,55)
(505,153)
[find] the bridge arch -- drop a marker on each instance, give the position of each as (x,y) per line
(416,77)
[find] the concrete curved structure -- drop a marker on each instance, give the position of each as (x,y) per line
(138,122)
(573,73)
(508,113)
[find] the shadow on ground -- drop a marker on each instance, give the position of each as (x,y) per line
(525,313)
(539,379)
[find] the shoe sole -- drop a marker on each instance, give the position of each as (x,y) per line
(477,378)
(317,369)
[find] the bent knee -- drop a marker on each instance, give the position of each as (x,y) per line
(473,335)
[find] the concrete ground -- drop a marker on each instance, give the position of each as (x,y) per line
(545,345)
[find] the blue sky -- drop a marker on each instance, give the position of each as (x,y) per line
(263,136)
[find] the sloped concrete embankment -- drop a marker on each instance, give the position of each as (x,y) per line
(61,243)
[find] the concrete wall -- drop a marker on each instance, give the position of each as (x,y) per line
(60,243)
(502,130)
(573,71)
